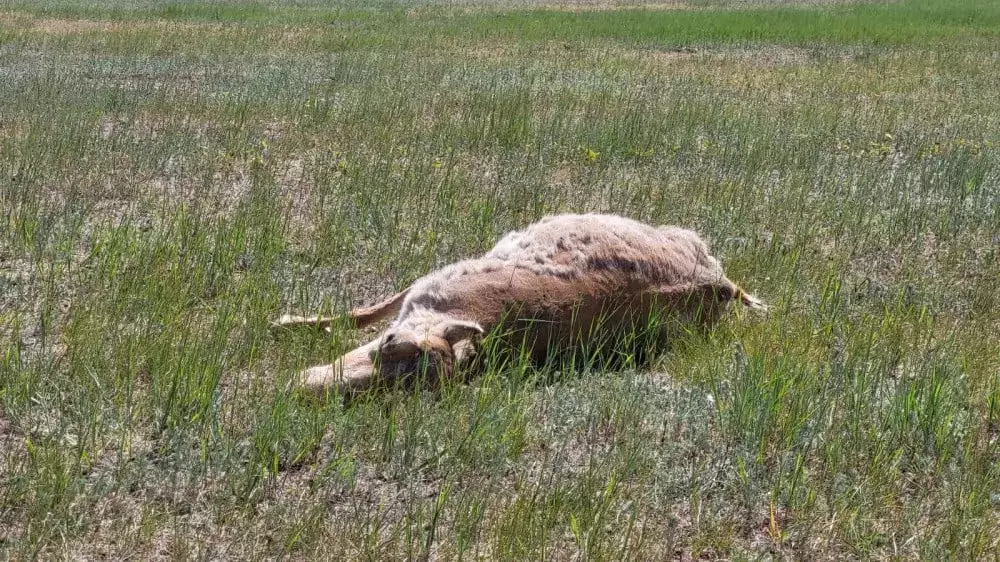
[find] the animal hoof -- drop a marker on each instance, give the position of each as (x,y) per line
(285,322)
(292,322)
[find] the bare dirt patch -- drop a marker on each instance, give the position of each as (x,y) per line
(60,26)
(67,26)
(57,26)
(604,6)
(672,54)
(566,6)
(770,57)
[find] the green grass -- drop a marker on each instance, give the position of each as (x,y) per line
(896,24)
(915,23)
(173,176)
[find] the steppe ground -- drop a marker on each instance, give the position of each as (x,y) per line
(173,175)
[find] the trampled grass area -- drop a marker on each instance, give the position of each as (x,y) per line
(173,176)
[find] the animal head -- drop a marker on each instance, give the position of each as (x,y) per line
(430,347)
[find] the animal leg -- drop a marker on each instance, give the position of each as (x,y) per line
(364,317)
(705,302)
(352,373)
(750,301)
(359,317)
(293,322)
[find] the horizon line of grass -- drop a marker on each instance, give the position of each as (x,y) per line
(897,24)
(917,23)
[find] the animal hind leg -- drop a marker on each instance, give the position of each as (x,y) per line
(750,301)
(705,303)
(693,305)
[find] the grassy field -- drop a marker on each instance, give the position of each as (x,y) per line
(173,175)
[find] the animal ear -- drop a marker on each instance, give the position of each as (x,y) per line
(459,330)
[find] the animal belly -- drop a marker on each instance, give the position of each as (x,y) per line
(589,322)
(540,314)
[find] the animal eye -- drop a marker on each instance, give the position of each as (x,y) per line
(389,337)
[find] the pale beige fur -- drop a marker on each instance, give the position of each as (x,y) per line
(554,285)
